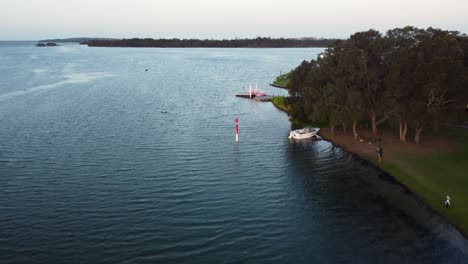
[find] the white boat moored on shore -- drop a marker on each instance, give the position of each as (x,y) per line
(306,132)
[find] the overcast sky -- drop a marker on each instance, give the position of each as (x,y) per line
(39,19)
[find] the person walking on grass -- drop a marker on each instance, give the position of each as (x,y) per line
(380,150)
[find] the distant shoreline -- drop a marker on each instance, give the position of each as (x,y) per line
(206,43)
(74,40)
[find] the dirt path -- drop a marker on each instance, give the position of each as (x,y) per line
(366,146)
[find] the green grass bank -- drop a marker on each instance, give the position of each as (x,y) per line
(281,81)
(434,174)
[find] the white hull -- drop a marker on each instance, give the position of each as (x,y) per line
(307,132)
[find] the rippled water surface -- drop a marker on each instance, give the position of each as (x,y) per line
(104,162)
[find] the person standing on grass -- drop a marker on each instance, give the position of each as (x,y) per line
(447,201)
(380,150)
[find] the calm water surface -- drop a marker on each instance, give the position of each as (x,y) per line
(93,171)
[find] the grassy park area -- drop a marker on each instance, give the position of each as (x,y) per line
(281,81)
(432,170)
(278,101)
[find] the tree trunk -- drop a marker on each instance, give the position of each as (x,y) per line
(405,131)
(332,128)
(417,135)
(345,128)
(401,130)
(375,131)
(354,130)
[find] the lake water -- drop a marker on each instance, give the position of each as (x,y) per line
(104,162)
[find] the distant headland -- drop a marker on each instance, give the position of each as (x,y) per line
(74,40)
(260,42)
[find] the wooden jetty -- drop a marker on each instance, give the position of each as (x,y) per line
(262,98)
(245,95)
(278,86)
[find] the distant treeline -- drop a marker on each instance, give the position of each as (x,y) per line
(209,43)
(409,78)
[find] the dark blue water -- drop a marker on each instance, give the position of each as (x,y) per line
(92,169)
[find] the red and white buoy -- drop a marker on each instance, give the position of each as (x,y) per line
(237,129)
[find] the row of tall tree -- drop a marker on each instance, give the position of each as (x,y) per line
(260,42)
(416,78)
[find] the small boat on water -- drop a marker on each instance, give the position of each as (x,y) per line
(306,132)
(252,93)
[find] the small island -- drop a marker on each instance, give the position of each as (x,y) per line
(48,44)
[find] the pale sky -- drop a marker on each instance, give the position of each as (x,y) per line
(39,19)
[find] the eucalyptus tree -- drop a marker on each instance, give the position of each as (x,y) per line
(463,40)
(372,48)
(295,87)
(399,76)
(330,101)
(464,46)
(438,79)
(323,92)
(351,78)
